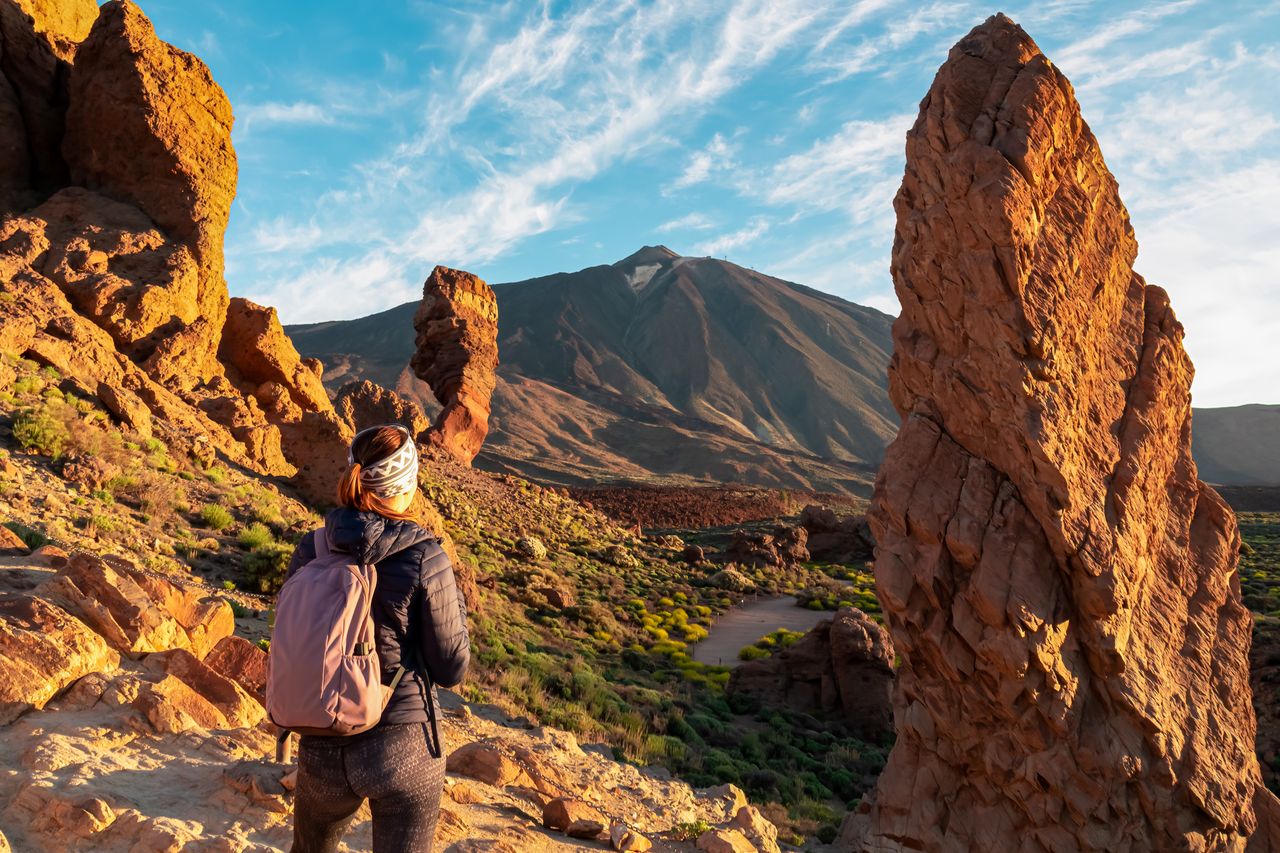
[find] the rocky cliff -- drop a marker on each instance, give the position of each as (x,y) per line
(114,197)
(1060,587)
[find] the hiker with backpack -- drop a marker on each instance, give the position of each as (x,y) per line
(369,620)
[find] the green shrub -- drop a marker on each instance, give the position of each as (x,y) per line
(229,586)
(691,830)
(255,536)
(40,431)
(752,653)
(216,517)
(30,537)
(27,385)
(266,565)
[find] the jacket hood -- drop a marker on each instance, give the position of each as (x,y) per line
(370,537)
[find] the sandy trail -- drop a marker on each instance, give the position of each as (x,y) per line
(743,625)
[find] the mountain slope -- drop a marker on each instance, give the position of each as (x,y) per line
(1237,445)
(661,366)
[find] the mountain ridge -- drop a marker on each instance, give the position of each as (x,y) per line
(661,366)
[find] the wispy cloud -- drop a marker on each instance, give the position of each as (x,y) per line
(749,233)
(689,222)
(717,156)
(274,112)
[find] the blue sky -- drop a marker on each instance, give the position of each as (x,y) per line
(519,139)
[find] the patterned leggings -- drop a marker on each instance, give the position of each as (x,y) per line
(392,766)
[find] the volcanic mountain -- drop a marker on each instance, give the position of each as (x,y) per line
(660,367)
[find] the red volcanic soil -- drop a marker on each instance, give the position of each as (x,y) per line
(694,507)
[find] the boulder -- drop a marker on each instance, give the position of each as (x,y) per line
(842,666)
(836,539)
(259,781)
(136,613)
(693,555)
(317,446)
(43,649)
(486,763)
(786,546)
(147,124)
(365,404)
(262,360)
(172,706)
(242,662)
(585,828)
(237,707)
(90,473)
(1061,590)
(457,355)
(757,828)
(562,812)
(623,838)
(11,544)
(725,841)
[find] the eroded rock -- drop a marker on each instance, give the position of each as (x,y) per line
(457,355)
(43,649)
(1060,588)
(147,124)
(843,666)
(364,404)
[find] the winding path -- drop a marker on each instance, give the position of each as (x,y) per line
(743,625)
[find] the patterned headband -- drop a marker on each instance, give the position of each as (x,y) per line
(395,475)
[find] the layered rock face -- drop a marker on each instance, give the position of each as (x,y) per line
(365,404)
(1059,586)
(147,124)
(117,180)
(457,354)
(843,667)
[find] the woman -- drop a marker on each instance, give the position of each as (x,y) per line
(421,623)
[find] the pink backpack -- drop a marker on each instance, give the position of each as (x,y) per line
(323,674)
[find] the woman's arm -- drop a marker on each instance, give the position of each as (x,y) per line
(446,647)
(303,554)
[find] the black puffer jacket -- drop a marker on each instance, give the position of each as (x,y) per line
(417,606)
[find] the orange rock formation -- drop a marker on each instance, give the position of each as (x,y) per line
(113,207)
(1060,587)
(457,354)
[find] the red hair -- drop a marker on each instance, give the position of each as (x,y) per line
(371,446)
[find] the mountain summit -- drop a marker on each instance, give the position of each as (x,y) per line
(662,366)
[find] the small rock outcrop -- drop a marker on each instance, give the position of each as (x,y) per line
(365,404)
(786,546)
(1060,587)
(842,667)
(837,539)
(457,355)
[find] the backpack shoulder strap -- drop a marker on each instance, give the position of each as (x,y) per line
(321,541)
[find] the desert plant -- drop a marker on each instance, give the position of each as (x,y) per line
(266,566)
(216,517)
(255,536)
(30,537)
(40,430)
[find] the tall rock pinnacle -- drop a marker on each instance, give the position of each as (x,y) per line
(457,354)
(1060,587)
